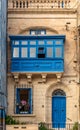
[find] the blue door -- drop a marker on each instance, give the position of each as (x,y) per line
(58,111)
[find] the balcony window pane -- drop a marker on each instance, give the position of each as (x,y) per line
(41,42)
(15,52)
(24,42)
(49,52)
(24,52)
(16,42)
(32,42)
(58,52)
(58,42)
(32,52)
(50,42)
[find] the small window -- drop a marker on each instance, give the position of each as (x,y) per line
(32,52)
(38,32)
(58,52)
(15,52)
(23,101)
(24,52)
(50,52)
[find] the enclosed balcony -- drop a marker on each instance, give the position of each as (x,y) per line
(37,54)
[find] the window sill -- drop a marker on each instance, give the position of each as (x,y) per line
(23,115)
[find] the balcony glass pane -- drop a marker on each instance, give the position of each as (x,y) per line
(24,52)
(50,42)
(32,52)
(16,42)
(32,42)
(41,42)
(24,42)
(15,52)
(58,52)
(58,42)
(49,52)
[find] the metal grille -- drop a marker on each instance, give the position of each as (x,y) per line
(69,126)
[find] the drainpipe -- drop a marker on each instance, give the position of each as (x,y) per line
(79,66)
(3,117)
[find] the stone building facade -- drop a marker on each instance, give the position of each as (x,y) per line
(47,91)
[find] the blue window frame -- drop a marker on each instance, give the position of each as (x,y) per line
(38,49)
(23,100)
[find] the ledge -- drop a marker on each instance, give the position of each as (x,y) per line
(41,11)
(23,115)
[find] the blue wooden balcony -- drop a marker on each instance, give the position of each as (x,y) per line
(37,53)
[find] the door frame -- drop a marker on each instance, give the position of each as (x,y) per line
(55,95)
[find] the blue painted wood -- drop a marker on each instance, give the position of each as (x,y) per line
(30,100)
(40,62)
(37,65)
(58,111)
(17,100)
(22,37)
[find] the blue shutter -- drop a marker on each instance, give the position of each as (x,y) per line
(30,100)
(17,99)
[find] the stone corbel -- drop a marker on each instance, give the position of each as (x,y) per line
(58,77)
(44,77)
(16,77)
(29,78)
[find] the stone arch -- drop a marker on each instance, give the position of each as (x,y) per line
(48,100)
(24,29)
(56,86)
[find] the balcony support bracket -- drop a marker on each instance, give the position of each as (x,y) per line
(16,77)
(29,78)
(59,77)
(44,77)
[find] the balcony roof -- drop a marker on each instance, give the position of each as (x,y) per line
(25,37)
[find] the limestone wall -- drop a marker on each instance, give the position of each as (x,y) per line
(54,23)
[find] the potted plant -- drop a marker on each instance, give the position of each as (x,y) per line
(24,107)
